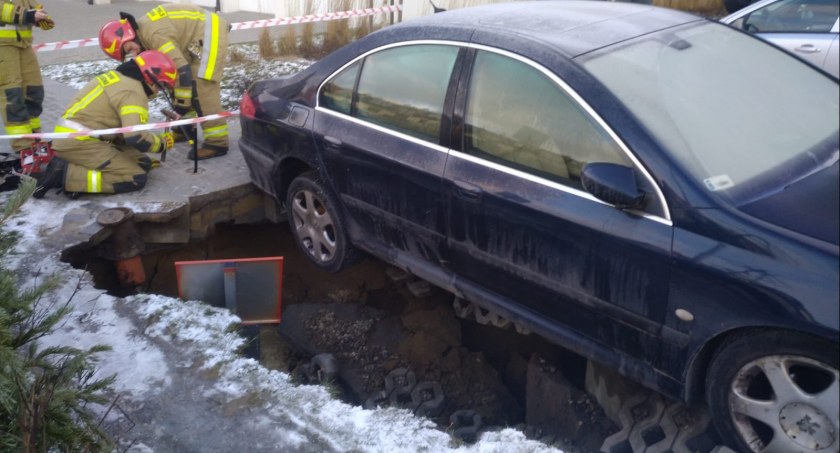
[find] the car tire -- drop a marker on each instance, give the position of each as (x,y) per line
(317,225)
(775,391)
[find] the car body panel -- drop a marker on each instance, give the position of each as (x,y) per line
(805,28)
(607,282)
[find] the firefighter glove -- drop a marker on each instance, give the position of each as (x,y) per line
(46,24)
(167,141)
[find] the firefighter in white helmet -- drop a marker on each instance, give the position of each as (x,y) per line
(197,42)
(110,163)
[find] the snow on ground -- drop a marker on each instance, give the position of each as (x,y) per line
(181,382)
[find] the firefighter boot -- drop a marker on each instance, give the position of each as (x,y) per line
(51,178)
(208,151)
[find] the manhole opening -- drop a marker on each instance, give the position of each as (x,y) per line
(373,323)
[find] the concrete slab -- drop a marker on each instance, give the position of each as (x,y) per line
(219,191)
(178,204)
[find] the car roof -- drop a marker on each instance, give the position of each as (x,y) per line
(572,27)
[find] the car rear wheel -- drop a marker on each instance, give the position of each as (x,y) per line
(776,392)
(317,225)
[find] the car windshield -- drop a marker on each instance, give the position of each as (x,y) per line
(740,116)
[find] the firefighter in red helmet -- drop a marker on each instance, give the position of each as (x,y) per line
(197,42)
(110,163)
(21,86)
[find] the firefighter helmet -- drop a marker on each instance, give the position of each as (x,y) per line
(157,68)
(113,35)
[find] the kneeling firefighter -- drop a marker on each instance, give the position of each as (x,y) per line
(110,163)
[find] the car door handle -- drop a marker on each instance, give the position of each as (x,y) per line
(332,140)
(807,48)
(467,191)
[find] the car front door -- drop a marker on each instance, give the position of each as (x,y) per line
(526,238)
(805,28)
(378,124)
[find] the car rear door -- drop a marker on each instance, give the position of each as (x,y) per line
(377,125)
(526,238)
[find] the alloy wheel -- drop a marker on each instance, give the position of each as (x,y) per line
(783,403)
(314,225)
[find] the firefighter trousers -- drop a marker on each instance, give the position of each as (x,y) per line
(21,93)
(213,132)
(95,166)
(209,96)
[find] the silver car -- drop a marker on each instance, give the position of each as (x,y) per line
(806,28)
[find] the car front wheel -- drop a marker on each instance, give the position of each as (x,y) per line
(317,225)
(776,392)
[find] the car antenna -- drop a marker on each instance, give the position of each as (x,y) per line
(437,10)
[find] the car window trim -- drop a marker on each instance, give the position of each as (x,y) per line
(552,184)
(665,218)
(383,129)
(592,114)
(456,69)
(375,50)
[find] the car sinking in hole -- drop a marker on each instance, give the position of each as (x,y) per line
(653,190)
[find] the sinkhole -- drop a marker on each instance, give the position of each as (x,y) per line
(371,320)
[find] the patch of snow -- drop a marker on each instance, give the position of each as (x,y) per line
(159,343)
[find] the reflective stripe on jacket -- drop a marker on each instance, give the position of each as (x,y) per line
(13,30)
(187,34)
(94,105)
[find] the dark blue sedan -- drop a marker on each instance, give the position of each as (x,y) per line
(653,190)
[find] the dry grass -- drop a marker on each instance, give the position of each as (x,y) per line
(364,28)
(235,56)
(305,41)
(700,6)
(287,43)
(307,45)
(265,45)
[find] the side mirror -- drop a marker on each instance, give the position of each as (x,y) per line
(612,183)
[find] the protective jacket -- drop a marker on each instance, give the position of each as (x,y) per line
(192,37)
(110,163)
(94,105)
(17,20)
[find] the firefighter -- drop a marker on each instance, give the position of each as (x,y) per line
(110,163)
(22,88)
(197,42)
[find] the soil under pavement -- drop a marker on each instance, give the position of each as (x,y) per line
(373,324)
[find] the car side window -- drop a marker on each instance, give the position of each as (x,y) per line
(337,94)
(792,16)
(518,116)
(404,88)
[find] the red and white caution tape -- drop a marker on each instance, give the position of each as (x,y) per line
(60,45)
(315,17)
(120,130)
(88,42)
